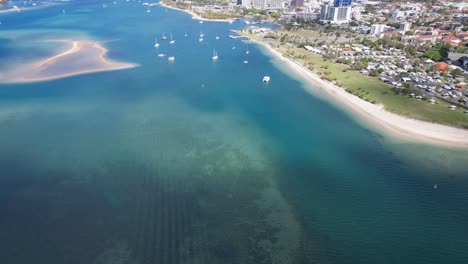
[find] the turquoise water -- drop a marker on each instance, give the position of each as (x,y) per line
(199,162)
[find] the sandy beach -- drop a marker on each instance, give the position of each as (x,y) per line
(195,15)
(81,58)
(375,116)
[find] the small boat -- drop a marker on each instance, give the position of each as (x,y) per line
(247,51)
(200,39)
(163,37)
(185,34)
(201,22)
(452,107)
(245,62)
(156,44)
(217,37)
(172,41)
(435,187)
(215,55)
(266,79)
(161,55)
(148,11)
(172,58)
(202,35)
(233,47)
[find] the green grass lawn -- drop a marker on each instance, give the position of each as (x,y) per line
(373,90)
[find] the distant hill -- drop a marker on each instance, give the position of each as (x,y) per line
(3,2)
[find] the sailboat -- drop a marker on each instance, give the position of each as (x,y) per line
(215,55)
(201,36)
(233,46)
(185,34)
(247,51)
(217,37)
(156,44)
(172,41)
(163,37)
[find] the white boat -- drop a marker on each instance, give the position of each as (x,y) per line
(163,37)
(156,44)
(172,41)
(452,107)
(215,55)
(200,39)
(233,47)
(247,51)
(201,22)
(217,37)
(161,55)
(172,58)
(266,79)
(202,35)
(185,35)
(245,62)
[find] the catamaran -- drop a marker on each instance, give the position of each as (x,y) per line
(215,55)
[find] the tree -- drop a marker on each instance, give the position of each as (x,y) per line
(409,33)
(456,72)
(411,50)
(275,15)
(370,9)
(433,55)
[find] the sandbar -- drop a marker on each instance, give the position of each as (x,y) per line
(373,116)
(81,58)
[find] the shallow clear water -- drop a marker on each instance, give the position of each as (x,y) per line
(199,162)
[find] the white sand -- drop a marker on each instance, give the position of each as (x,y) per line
(196,16)
(92,54)
(374,116)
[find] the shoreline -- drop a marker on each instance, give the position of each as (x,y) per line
(372,116)
(194,15)
(21,9)
(102,64)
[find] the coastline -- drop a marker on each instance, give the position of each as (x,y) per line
(373,116)
(32,72)
(21,9)
(193,14)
